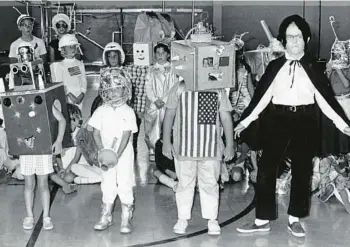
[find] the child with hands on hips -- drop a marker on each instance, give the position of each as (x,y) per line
(113,124)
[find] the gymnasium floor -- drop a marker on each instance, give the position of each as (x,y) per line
(155,214)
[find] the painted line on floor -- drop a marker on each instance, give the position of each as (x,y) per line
(247,210)
(39,224)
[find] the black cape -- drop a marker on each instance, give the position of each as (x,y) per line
(253,134)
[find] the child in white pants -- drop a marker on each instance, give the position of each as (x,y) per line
(197,154)
(115,120)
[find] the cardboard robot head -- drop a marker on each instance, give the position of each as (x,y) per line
(112,80)
(113,46)
(142,53)
(204,65)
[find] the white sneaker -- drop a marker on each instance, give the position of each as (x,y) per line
(28,223)
(180,226)
(47,223)
(213,227)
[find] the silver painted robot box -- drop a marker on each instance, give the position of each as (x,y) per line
(27,75)
(30,124)
(204,65)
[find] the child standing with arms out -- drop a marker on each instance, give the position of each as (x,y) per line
(159,81)
(70,71)
(113,123)
(42,166)
(197,154)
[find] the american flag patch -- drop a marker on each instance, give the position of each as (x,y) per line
(198,115)
(74,71)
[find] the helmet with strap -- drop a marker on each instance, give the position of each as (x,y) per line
(113,46)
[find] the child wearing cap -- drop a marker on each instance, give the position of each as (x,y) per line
(115,120)
(70,71)
(25,24)
(113,56)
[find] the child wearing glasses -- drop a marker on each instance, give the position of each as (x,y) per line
(61,24)
(25,24)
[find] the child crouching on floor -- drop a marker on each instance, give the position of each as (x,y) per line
(165,167)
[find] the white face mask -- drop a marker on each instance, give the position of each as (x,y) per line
(295,43)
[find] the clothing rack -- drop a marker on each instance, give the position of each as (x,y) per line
(47,5)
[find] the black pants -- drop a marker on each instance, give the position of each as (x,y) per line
(295,134)
(136,134)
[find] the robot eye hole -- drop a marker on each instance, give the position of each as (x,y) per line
(38,99)
(7,102)
(20,100)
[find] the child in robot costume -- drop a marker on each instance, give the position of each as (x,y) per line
(113,124)
(70,70)
(189,165)
(160,79)
(41,166)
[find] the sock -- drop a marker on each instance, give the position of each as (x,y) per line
(293,219)
(259,222)
(84,180)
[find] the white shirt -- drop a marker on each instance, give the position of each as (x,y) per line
(302,92)
(38,44)
(72,73)
(112,122)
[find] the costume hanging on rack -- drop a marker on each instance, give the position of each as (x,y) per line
(239,95)
(338,73)
(153,27)
(340,50)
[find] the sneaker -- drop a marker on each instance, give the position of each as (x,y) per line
(180,226)
(296,229)
(28,223)
(47,223)
(329,191)
(250,228)
(213,227)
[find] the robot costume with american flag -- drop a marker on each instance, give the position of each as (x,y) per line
(198,113)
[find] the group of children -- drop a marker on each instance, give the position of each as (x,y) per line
(114,123)
(110,128)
